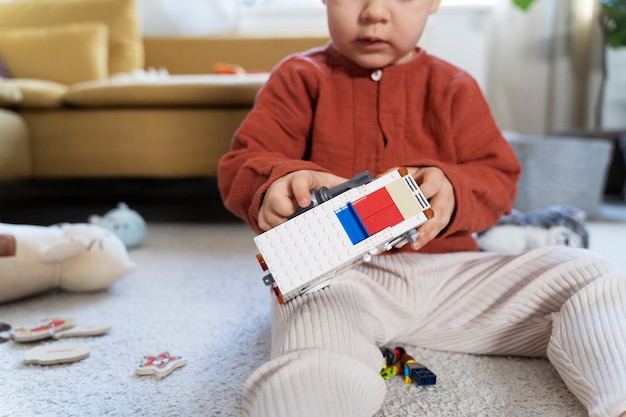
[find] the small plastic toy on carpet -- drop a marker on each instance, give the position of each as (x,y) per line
(398,362)
(56,354)
(4,329)
(160,365)
(43,330)
(58,328)
(83,330)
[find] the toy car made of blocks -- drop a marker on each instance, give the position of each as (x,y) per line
(343,226)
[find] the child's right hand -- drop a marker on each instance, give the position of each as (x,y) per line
(293,190)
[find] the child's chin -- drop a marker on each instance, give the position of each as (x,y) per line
(372,62)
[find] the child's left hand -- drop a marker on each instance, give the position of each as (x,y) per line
(439,191)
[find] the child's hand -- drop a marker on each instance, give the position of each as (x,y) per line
(293,190)
(439,191)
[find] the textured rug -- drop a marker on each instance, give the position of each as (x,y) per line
(197,292)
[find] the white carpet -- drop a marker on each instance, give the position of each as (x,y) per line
(198,292)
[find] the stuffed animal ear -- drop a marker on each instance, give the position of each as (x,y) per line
(65,249)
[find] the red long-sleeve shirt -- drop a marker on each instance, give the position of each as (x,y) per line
(321,111)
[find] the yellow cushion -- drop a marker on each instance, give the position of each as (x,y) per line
(65,54)
(120,16)
(38,94)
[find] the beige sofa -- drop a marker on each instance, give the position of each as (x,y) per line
(89,98)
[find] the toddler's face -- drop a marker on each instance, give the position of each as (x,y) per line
(377,33)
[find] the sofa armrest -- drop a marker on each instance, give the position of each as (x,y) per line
(10,95)
(35,94)
(209,90)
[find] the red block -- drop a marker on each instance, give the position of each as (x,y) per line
(378,211)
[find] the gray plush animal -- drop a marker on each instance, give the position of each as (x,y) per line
(518,231)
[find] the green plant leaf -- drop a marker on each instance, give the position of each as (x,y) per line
(614,3)
(523,4)
(614,22)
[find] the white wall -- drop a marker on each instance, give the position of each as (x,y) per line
(457,33)
(289,21)
(188,17)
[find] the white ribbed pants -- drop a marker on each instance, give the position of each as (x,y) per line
(567,303)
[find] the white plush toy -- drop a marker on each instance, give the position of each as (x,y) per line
(75,257)
(553,225)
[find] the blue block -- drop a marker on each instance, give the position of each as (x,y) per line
(423,376)
(352,224)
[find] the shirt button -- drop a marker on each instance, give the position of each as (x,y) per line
(377,75)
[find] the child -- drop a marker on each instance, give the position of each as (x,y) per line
(371,100)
